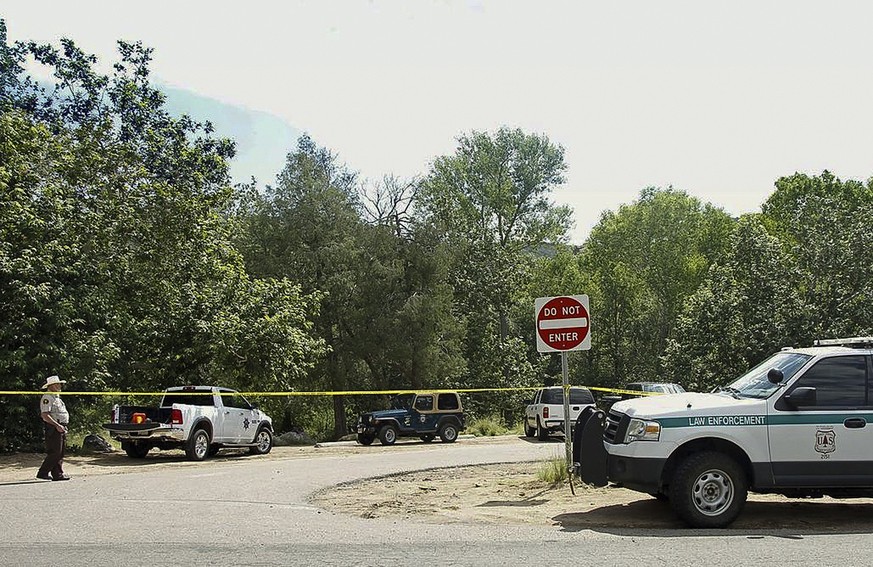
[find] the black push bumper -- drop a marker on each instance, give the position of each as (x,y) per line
(596,466)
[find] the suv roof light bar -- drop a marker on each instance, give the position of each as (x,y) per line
(848,342)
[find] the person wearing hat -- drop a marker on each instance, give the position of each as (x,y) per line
(54,414)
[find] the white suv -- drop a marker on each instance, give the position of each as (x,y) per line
(544,414)
(798,424)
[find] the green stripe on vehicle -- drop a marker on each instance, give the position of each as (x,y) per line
(756,420)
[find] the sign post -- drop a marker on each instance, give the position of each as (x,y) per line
(562,325)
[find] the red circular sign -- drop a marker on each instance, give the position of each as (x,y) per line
(562,323)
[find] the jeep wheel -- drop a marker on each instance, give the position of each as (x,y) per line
(263,442)
(529,431)
(427,438)
(197,448)
(448,433)
(388,435)
(366,438)
(708,490)
(542,433)
(135,450)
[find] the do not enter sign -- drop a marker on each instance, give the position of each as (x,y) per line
(562,323)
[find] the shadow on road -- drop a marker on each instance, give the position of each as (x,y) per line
(20,482)
(535,441)
(119,459)
(651,518)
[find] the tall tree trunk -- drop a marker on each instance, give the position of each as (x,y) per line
(339,416)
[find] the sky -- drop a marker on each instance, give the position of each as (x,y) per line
(718,99)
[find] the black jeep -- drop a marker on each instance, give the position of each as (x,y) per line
(423,415)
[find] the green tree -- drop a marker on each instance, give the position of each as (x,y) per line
(489,203)
(115,249)
(743,311)
(825,224)
(645,260)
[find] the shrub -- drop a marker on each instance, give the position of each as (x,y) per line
(487,427)
(553,471)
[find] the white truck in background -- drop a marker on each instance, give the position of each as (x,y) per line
(544,414)
(199,419)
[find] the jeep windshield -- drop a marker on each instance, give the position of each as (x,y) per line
(754,383)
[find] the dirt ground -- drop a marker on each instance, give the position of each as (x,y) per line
(492,494)
(512,494)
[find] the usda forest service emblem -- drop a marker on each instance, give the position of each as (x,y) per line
(825,440)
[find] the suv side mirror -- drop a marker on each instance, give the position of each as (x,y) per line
(801,397)
(775,376)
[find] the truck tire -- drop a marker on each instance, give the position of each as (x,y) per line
(135,450)
(708,490)
(263,442)
(448,432)
(388,435)
(197,447)
(529,431)
(542,432)
(366,438)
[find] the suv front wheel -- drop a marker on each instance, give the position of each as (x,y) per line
(388,435)
(708,490)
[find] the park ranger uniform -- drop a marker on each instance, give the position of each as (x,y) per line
(55,441)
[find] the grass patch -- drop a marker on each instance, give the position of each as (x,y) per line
(553,471)
(487,427)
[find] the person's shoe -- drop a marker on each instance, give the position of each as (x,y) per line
(62,477)
(42,476)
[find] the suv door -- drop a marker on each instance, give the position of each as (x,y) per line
(424,415)
(825,442)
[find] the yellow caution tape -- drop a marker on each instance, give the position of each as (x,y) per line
(341,393)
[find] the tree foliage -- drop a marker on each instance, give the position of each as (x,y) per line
(116,259)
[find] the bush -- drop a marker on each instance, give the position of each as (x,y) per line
(487,427)
(554,471)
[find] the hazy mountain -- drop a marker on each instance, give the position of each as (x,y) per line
(262,140)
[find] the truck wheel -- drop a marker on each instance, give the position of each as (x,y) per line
(529,431)
(135,450)
(708,490)
(263,442)
(388,435)
(448,433)
(427,438)
(197,448)
(542,433)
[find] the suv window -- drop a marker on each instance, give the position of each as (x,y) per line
(577,396)
(424,403)
(840,381)
(448,402)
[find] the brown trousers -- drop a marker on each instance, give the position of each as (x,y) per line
(55,443)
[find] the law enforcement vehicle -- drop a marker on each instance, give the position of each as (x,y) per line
(424,415)
(199,419)
(798,424)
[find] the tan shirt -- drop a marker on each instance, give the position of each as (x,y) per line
(53,404)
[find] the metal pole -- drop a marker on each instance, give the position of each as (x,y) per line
(567,437)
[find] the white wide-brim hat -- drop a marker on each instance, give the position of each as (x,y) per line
(52,380)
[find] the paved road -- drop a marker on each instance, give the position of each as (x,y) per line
(255,512)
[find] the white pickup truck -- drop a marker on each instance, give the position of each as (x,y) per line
(545,412)
(199,419)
